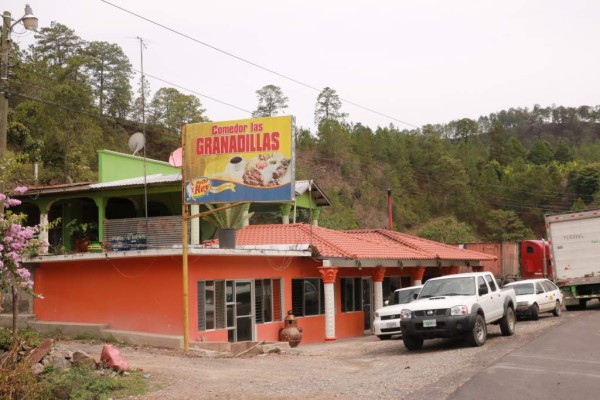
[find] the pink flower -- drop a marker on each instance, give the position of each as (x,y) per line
(20,189)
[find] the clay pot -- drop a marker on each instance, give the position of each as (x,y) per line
(290,333)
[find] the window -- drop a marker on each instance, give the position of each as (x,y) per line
(308,297)
(491,282)
(482,286)
(266,300)
(351,294)
(549,286)
(539,288)
(217,302)
(530,250)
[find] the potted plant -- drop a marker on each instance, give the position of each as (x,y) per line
(82,233)
(228,221)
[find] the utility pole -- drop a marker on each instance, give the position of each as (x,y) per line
(30,22)
(4,58)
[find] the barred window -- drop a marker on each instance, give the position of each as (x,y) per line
(308,297)
(216,303)
(267,300)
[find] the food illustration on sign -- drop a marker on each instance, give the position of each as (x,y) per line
(268,169)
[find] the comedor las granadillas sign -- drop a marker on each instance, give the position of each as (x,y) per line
(249,160)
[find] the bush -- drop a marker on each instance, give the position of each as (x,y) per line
(17,382)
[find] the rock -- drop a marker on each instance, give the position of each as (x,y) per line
(40,352)
(269,349)
(37,369)
(82,359)
(113,359)
(57,360)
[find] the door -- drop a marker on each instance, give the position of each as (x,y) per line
(486,299)
(367,302)
(543,298)
(244,318)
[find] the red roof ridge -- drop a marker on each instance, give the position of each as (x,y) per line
(312,229)
(386,233)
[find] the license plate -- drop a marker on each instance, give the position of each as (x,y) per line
(391,325)
(429,323)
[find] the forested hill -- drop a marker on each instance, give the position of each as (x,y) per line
(493,178)
(490,179)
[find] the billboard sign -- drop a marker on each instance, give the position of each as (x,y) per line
(249,160)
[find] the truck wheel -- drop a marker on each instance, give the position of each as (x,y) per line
(557,309)
(478,334)
(412,342)
(384,337)
(535,312)
(507,323)
(572,308)
(582,304)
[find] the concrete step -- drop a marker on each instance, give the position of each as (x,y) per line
(23,320)
(146,339)
(70,329)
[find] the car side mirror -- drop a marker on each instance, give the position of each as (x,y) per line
(483,290)
(387,302)
(415,295)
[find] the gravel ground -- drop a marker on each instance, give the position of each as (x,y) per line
(360,368)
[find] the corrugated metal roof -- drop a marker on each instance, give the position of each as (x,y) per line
(301,186)
(139,181)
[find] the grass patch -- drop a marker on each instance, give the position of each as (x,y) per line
(27,335)
(87,383)
(96,337)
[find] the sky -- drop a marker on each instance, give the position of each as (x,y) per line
(406,63)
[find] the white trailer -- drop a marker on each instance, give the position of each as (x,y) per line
(575,255)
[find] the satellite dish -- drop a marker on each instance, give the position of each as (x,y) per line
(175,158)
(137,141)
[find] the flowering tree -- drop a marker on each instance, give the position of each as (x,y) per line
(16,241)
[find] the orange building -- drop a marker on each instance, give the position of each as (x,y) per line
(331,280)
(133,280)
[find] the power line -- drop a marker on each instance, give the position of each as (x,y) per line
(252,63)
(195,92)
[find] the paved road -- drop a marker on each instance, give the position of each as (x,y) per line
(563,363)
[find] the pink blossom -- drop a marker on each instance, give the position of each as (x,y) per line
(20,189)
(15,241)
(12,202)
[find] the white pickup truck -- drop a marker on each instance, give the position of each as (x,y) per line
(458,305)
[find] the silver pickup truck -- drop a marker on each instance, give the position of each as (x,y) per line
(458,305)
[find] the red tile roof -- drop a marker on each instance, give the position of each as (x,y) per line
(356,244)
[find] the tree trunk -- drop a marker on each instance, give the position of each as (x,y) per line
(15,310)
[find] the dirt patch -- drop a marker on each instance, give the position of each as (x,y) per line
(357,368)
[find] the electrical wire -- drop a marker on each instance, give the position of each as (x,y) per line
(252,63)
(195,92)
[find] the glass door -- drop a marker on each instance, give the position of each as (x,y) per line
(244,318)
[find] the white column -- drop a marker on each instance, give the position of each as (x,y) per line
(329,274)
(378,287)
(195,225)
(329,311)
(44,233)
(246,221)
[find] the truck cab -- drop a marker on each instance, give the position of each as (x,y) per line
(534,255)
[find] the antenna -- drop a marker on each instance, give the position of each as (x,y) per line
(137,142)
(142,45)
